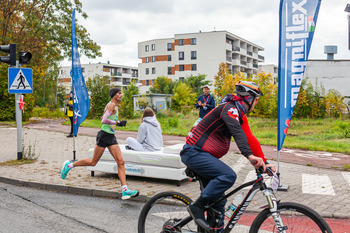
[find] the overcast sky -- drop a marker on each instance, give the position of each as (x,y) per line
(118,25)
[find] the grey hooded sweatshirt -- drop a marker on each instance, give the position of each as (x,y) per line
(150,134)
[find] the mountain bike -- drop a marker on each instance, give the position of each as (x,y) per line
(166,212)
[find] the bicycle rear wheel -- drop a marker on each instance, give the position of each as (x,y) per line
(162,211)
(295,218)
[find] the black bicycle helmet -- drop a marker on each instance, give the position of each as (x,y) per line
(245,88)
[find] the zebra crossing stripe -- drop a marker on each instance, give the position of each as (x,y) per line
(317,184)
(346,176)
(242,161)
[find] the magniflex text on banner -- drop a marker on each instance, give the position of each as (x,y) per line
(297,26)
(80,93)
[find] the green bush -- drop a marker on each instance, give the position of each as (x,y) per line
(173,122)
(160,115)
(44,112)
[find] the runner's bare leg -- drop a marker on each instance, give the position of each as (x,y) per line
(117,155)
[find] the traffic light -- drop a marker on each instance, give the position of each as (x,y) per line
(24,57)
(11,50)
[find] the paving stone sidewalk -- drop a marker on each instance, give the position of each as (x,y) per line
(325,190)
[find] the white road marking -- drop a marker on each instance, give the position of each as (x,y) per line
(242,161)
(346,176)
(317,184)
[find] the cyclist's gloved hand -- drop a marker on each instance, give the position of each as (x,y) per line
(257,162)
(121,123)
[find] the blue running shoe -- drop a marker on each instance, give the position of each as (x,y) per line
(65,169)
(129,193)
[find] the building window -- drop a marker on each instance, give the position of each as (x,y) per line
(181,79)
(146,48)
(153,58)
(169,57)
(153,70)
(181,55)
(193,55)
(83,69)
(153,47)
(193,41)
(147,70)
(181,41)
(169,46)
(181,67)
(169,70)
(147,82)
(147,59)
(193,67)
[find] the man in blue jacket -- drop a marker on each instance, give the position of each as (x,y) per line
(205,102)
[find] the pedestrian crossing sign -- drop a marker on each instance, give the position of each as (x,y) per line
(20,80)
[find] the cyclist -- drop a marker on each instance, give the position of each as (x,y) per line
(210,140)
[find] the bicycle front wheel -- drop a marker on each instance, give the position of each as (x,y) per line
(295,218)
(163,211)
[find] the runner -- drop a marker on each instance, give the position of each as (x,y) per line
(106,138)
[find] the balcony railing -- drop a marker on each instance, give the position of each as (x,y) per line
(243,63)
(255,66)
(235,48)
(228,58)
(250,53)
(261,57)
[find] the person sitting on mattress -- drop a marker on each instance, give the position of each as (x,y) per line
(149,136)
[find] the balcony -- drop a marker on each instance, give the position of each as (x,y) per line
(243,63)
(255,66)
(228,58)
(116,83)
(250,53)
(261,57)
(236,49)
(134,75)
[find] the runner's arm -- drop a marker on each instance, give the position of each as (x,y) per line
(105,120)
(108,112)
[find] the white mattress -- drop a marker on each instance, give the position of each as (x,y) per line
(167,157)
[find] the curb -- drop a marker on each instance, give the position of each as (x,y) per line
(70,189)
(97,192)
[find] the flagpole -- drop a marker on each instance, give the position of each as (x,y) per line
(74,158)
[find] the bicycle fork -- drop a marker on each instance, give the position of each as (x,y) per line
(272,202)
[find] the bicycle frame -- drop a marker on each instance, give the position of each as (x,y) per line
(258,184)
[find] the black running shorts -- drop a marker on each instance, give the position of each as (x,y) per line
(104,139)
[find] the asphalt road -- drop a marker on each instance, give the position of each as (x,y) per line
(32,210)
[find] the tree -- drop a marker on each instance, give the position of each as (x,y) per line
(163,85)
(42,27)
(197,83)
(98,95)
(127,104)
(225,81)
(184,98)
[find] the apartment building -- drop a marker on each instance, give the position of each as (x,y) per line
(119,75)
(196,53)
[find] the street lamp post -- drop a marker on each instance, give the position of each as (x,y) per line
(347,9)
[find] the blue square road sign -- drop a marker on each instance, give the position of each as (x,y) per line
(20,80)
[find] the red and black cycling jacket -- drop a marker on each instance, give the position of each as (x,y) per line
(213,133)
